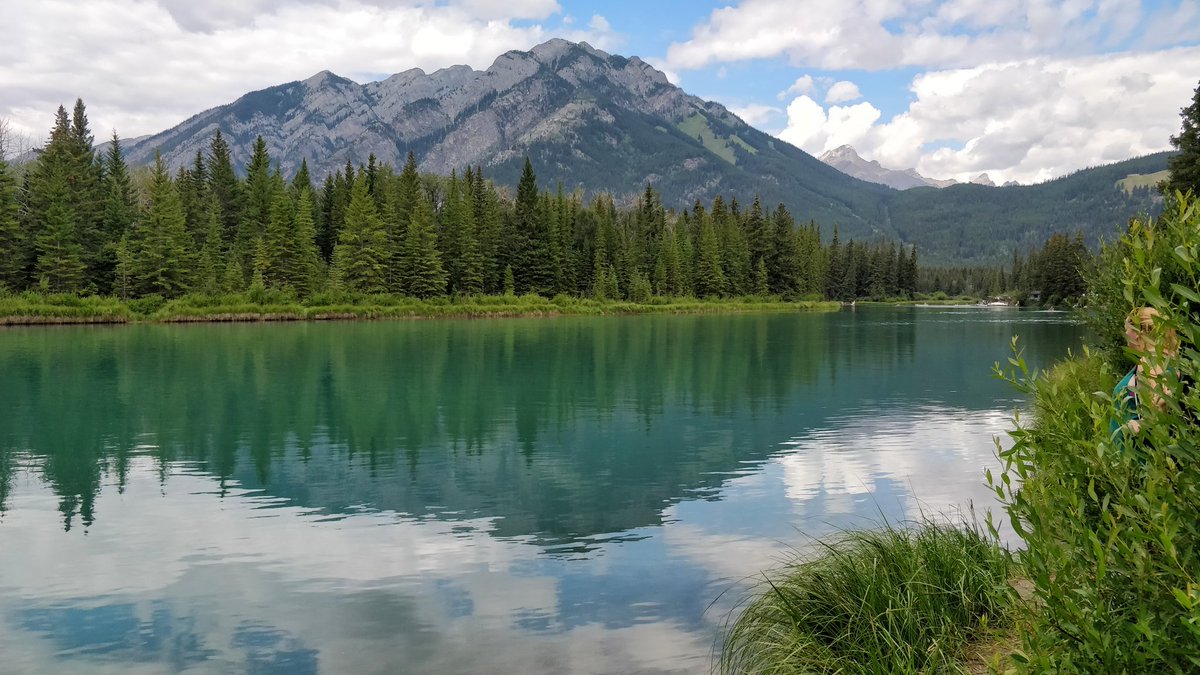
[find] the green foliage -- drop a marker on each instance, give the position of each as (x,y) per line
(1110,520)
(890,600)
(159,248)
(12,237)
(421,271)
(361,255)
(1185,166)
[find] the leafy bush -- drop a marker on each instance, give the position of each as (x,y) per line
(1112,523)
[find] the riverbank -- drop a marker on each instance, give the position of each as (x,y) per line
(38,309)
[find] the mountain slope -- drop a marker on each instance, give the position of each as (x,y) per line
(977,224)
(585,117)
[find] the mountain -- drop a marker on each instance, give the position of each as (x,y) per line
(847,160)
(586,118)
(603,122)
(970,223)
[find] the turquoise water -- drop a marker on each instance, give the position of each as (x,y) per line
(544,495)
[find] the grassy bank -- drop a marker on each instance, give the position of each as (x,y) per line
(34,308)
(891,600)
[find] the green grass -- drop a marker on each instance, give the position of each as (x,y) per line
(696,126)
(33,308)
(37,308)
(888,600)
(1136,180)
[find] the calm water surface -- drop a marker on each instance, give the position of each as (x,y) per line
(524,496)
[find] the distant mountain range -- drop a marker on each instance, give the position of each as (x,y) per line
(846,159)
(606,123)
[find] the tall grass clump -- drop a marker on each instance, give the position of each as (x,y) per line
(888,600)
(1111,521)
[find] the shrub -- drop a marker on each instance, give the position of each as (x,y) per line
(1112,525)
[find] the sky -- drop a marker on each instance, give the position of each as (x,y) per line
(1024,90)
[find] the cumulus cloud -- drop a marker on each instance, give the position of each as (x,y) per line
(884,34)
(756,114)
(802,85)
(1027,121)
(842,91)
(814,130)
(144,66)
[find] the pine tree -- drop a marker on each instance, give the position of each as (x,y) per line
(422,272)
(160,248)
(224,184)
(329,221)
(761,289)
(530,238)
(60,267)
(120,206)
(86,195)
(1185,166)
(361,255)
(783,265)
(12,237)
(210,267)
(276,257)
(259,193)
(403,201)
(759,235)
(307,269)
(710,276)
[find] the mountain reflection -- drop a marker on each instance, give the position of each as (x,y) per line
(564,430)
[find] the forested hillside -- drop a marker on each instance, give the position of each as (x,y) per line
(976,224)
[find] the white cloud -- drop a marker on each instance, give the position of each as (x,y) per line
(884,34)
(842,92)
(599,24)
(144,66)
(813,130)
(1027,121)
(802,85)
(756,114)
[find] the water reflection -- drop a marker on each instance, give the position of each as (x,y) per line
(537,496)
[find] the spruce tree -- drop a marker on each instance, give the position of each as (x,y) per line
(276,255)
(161,249)
(259,193)
(224,184)
(119,210)
(12,237)
(210,267)
(406,194)
(361,255)
(60,267)
(1185,166)
(710,275)
(421,268)
(307,270)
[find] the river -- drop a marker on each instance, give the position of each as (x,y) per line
(512,496)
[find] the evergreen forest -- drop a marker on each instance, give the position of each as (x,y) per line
(77,221)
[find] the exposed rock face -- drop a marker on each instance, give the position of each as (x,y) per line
(586,118)
(848,161)
(449,118)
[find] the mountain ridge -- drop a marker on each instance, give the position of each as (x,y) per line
(605,123)
(601,122)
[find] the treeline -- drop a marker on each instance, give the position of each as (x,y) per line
(1051,275)
(80,223)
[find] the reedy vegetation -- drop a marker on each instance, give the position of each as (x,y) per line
(84,225)
(888,600)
